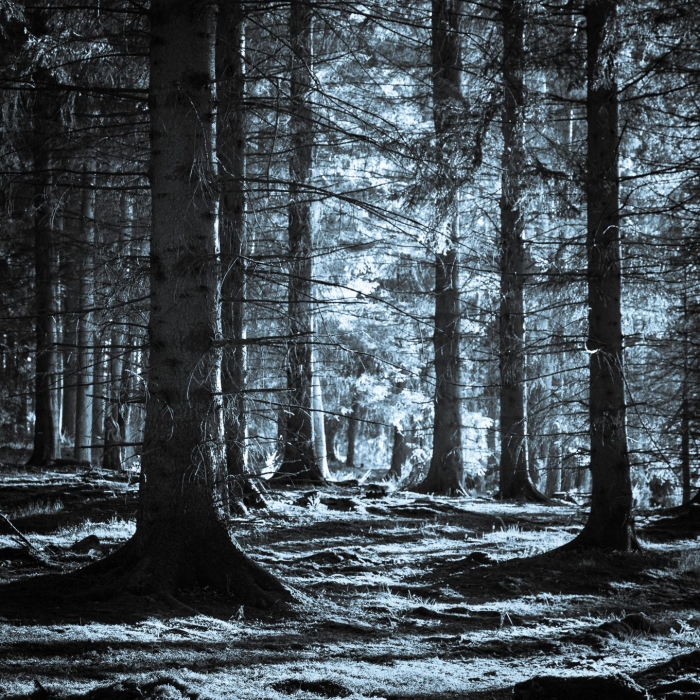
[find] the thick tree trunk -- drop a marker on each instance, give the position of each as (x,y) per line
(46,429)
(181,539)
(230,61)
(515,480)
(86,332)
(610,522)
(446,473)
(299,462)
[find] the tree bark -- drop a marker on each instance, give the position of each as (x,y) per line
(181,539)
(46,429)
(319,424)
(353,422)
(399,452)
(70,342)
(114,419)
(86,332)
(514,477)
(299,462)
(230,61)
(610,523)
(331,425)
(446,473)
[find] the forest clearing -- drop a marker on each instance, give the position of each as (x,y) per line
(401,596)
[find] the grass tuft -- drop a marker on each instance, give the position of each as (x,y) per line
(38,507)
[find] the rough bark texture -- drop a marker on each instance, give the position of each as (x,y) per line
(610,522)
(46,430)
(299,462)
(514,478)
(230,62)
(86,330)
(446,473)
(181,539)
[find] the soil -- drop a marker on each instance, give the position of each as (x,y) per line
(399,595)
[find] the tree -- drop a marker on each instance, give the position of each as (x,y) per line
(610,522)
(86,329)
(299,462)
(446,475)
(181,538)
(230,61)
(44,115)
(514,478)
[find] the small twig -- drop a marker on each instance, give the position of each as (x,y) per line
(19,535)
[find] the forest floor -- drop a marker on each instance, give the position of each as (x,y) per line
(402,596)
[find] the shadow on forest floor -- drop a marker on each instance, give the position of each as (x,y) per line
(405,596)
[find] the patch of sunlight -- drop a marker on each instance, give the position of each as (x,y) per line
(526,542)
(116,529)
(37,507)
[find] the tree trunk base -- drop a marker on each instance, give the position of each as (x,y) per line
(525,491)
(624,540)
(155,568)
(439,487)
(289,475)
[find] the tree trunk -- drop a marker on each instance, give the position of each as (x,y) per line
(114,420)
(515,480)
(318,418)
(610,523)
(353,420)
(70,342)
(46,430)
(398,454)
(446,473)
(181,539)
(331,425)
(299,462)
(230,61)
(86,332)
(99,387)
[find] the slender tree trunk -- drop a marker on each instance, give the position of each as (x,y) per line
(299,462)
(318,417)
(181,539)
(113,451)
(99,387)
(46,430)
(446,473)
(353,421)
(69,278)
(610,522)
(230,61)
(86,333)
(331,425)
(515,480)
(398,454)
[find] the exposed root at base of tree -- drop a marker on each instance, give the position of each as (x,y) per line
(526,491)
(614,542)
(147,573)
